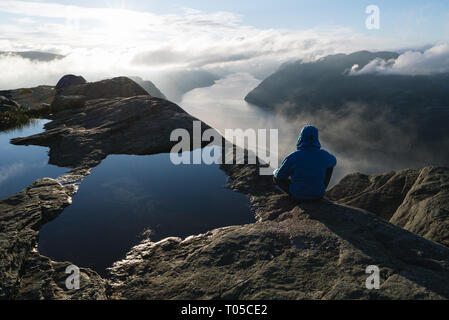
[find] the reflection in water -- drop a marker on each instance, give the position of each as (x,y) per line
(20,166)
(125,195)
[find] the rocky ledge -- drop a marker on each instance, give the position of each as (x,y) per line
(24,273)
(414,199)
(87,128)
(30,98)
(294,251)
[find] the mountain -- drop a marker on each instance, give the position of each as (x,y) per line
(326,84)
(176,83)
(149,87)
(34,55)
(397,117)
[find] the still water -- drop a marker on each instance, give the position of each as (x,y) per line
(125,195)
(20,166)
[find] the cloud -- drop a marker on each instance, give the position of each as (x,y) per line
(7,172)
(102,42)
(432,61)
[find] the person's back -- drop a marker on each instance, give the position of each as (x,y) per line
(306,172)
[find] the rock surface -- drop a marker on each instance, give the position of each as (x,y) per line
(414,199)
(62,102)
(23,272)
(7,104)
(82,137)
(30,98)
(295,251)
(106,89)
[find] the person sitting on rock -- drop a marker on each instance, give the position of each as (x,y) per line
(306,173)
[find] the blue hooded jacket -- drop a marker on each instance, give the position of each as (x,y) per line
(307,166)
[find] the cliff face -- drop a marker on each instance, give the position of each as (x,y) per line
(414,199)
(326,83)
(317,250)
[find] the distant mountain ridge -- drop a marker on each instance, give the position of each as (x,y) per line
(34,55)
(400,118)
(326,83)
(149,87)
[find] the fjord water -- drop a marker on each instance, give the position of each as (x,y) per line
(20,166)
(125,195)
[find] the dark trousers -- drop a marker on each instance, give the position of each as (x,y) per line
(284,184)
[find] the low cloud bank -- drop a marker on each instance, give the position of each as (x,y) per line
(431,61)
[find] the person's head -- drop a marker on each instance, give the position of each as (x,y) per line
(308,138)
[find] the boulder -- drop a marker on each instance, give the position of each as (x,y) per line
(414,199)
(106,89)
(7,104)
(69,80)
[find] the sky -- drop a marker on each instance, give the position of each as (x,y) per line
(104,38)
(417,20)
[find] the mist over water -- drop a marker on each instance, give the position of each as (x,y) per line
(222,106)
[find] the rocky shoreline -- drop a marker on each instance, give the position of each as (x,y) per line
(294,251)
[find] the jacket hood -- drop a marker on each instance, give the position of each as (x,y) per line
(308,138)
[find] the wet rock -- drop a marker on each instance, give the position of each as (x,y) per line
(414,199)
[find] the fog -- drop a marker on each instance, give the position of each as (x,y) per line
(362,141)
